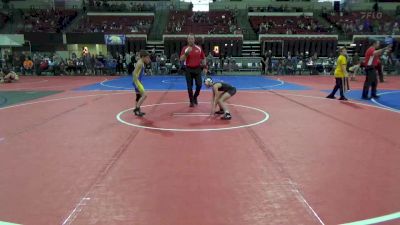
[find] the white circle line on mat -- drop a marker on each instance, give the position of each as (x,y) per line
(266,117)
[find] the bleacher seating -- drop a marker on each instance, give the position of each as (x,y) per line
(3,19)
(364,22)
(112,6)
(115,24)
(287,24)
(213,22)
(47,20)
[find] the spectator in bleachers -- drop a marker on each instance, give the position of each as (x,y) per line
(264,63)
(263,28)
(289,63)
(71,66)
(120,63)
(222,59)
(131,24)
(269,63)
(210,60)
(153,58)
(210,22)
(395,28)
(27,66)
(49,20)
(58,65)
(355,68)
(178,28)
(175,61)
(98,66)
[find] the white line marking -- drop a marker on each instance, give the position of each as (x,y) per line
(266,117)
(375,220)
(34,82)
(168,82)
(281,82)
(156,91)
(301,198)
(192,115)
(77,208)
(324,98)
(58,99)
(8,223)
(385,106)
(111,86)
(40,87)
(189,113)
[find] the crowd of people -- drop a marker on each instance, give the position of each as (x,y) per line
(269,8)
(47,20)
(82,64)
(224,22)
(123,63)
(107,5)
(115,24)
(364,22)
(287,25)
(4,18)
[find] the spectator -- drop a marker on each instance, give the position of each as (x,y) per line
(27,66)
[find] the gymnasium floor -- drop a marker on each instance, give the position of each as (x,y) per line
(72,152)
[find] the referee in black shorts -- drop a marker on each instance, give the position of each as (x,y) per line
(195,62)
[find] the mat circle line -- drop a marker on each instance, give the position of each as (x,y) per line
(266,117)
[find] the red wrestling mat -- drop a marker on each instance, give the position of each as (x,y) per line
(67,159)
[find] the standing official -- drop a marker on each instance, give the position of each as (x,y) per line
(194,61)
(371,61)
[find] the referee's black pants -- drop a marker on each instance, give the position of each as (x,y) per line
(370,81)
(193,74)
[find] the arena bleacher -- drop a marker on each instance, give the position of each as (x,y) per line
(242,33)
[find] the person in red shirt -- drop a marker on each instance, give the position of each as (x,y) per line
(371,62)
(194,60)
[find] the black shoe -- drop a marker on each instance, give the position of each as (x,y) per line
(220,112)
(343,98)
(195,101)
(227,116)
(375,96)
(331,97)
(138,113)
(191,105)
(366,98)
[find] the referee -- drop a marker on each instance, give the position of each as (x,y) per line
(194,60)
(371,62)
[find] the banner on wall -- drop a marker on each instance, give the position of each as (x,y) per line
(12,40)
(115,39)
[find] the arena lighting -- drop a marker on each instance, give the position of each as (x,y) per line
(226,44)
(353,45)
